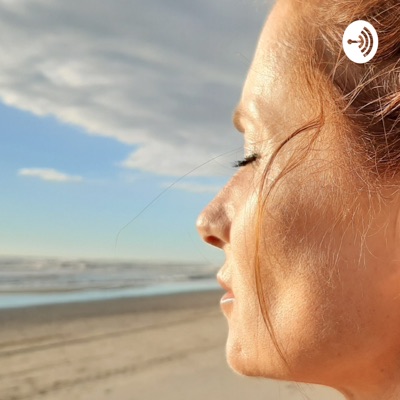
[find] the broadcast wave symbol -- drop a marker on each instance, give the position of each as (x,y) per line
(365,41)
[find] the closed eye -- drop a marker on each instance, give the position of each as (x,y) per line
(247,160)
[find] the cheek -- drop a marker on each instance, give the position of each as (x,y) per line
(313,286)
(308,226)
(311,254)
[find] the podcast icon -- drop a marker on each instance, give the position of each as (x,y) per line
(360,42)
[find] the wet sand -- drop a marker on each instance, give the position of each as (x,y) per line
(169,347)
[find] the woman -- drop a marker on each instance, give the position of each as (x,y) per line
(310,224)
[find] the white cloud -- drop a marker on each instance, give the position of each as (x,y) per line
(48,174)
(155,74)
(163,158)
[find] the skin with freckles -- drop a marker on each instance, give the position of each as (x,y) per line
(329,250)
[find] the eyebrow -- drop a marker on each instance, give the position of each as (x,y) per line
(237,116)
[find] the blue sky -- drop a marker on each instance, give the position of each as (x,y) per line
(105,104)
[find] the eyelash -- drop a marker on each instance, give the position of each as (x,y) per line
(247,160)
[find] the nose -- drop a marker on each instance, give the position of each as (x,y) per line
(214,223)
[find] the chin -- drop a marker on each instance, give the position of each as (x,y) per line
(241,367)
(252,362)
(241,360)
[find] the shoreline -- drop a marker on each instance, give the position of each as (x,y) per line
(44,313)
(9,300)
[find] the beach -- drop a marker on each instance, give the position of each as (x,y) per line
(169,346)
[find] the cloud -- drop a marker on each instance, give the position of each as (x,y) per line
(162,76)
(48,174)
(163,158)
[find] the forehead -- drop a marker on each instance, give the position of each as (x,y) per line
(273,93)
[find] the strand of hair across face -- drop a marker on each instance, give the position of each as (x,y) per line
(163,192)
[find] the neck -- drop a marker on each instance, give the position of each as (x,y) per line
(389,391)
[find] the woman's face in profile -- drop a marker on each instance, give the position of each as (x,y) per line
(327,250)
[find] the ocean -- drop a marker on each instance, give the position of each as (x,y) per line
(29,281)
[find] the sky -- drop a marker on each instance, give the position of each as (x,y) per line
(106,104)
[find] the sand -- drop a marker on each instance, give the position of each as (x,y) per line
(163,347)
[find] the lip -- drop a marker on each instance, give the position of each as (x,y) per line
(228,297)
(223,283)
